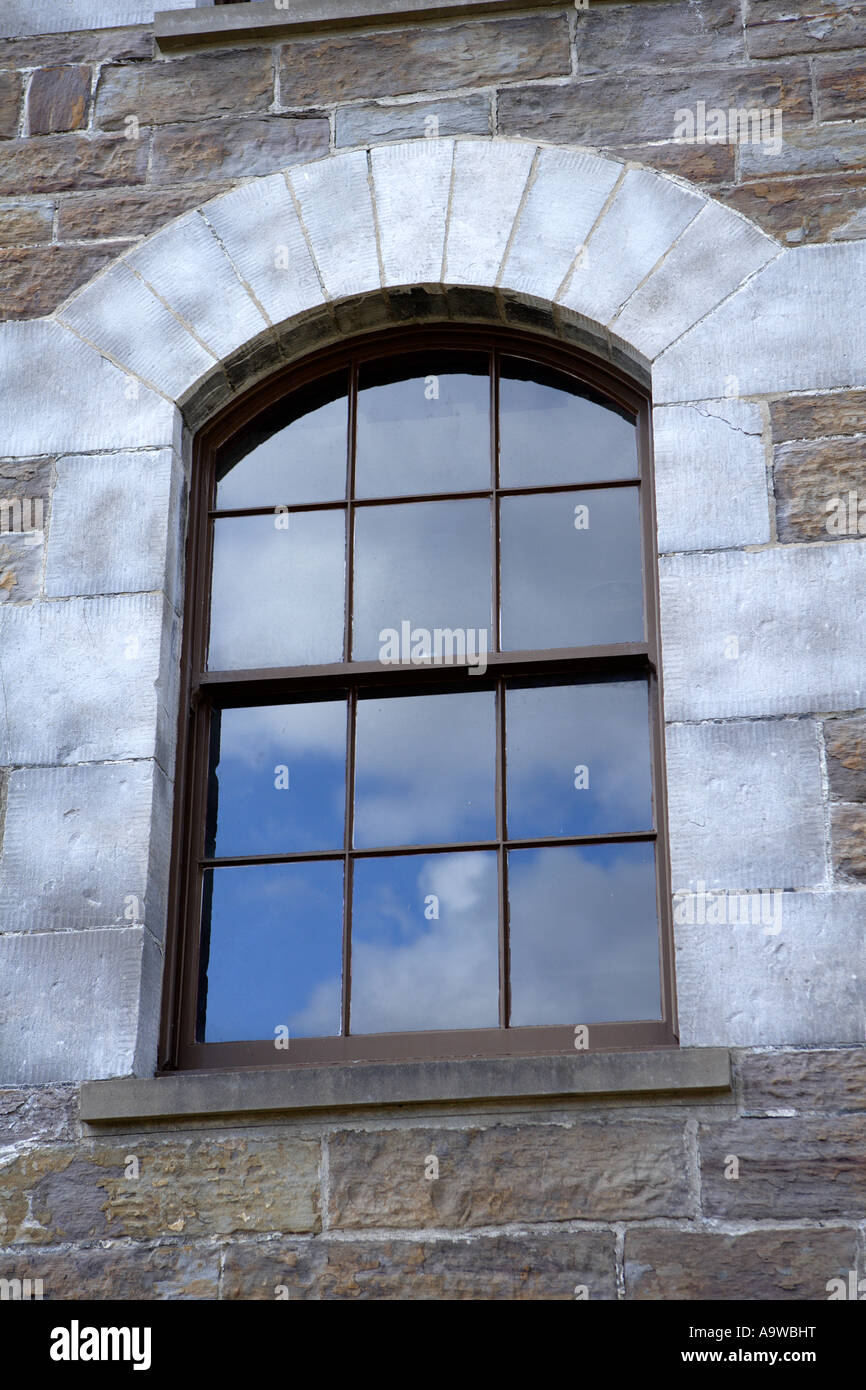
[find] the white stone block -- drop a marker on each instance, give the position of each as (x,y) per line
(411,184)
(489,179)
(337,210)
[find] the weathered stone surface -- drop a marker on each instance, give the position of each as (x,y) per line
(198,1186)
(489,181)
(73,1004)
(22,224)
(818,417)
(841,86)
(203,84)
(235,149)
(789,610)
(335,203)
(30,479)
(10,98)
(804,209)
(377,121)
(707,165)
(429,58)
(33,282)
(697,450)
(20,566)
(516,1268)
(776,27)
(771,1265)
(71,161)
(820,149)
(790,1169)
(113,45)
(507,1173)
(745,805)
(49,17)
(411,186)
(128,212)
(811,480)
(752,986)
(845,743)
(127,1273)
(602,110)
(848,834)
(659,35)
(58,99)
(48,1114)
(784,1081)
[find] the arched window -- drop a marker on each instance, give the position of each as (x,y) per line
(420,807)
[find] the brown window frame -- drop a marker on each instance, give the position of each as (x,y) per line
(201,688)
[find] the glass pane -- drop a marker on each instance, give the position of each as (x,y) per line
(584,935)
(272,948)
(552,429)
(423,425)
(278,782)
(278,592)
(425,951)
(571,569)
(422,567)
(578,760)
(295,452)
(425,769)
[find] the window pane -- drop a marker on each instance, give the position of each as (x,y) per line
(423,426)
(425,565)
(425,935)
(278,779)
(584,935)
(552,429)
(296,452)
(425,769)
(275,951)
(571,569)
(278,590)
(578,760)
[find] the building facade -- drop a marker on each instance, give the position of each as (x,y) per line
(199,203)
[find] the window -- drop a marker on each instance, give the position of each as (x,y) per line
(422,762)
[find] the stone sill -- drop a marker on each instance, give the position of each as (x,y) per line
(261,20)
(311,1088)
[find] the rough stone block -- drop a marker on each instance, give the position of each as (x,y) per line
(58,99)
(128,212)
(21,559)
(804,210)
(715,253)
(814,484)
(71,161)
(60,395)
(200,85)
(25,224)
(236,149)
(44,1114)
(699,452)
(745,805)
(743,986)
(517,1268)
(817,417)
(766,1265)
(507,1173)
(566,194)
(841,85)
(336,208)
(777,27)
(10,99)
(819,149)
(119,1272)
(763,633)
(773,1082)
(34,281)
(789,1169)
(32,50)
(659,36)
(489,181)
(845,744)
(411,185)
(374,122)
(848,834)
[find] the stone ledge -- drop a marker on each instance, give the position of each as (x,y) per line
(402,1083)
(260,19)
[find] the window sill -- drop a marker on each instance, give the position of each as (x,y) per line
(315,1088)
(261,20)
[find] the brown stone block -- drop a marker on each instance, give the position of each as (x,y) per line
(642,106)
(812,481)
(777,27)
(58,99)
(54,162)
(788,1169)
(848,839)
(193,1187)
(703,164)
(831,1079)
(82,46)
(26,478)
(10,98)
(628,36)
(821,149)
(841,87)
(665,1264)
(22,224)
(207,84)
(845,742)
(33,281)
(428,58)
(236,149)
(165,1272)
(517,1268)
(374,122)
(803,210)
(129,212)
(590,1170)
(45,1113)
(816,417)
